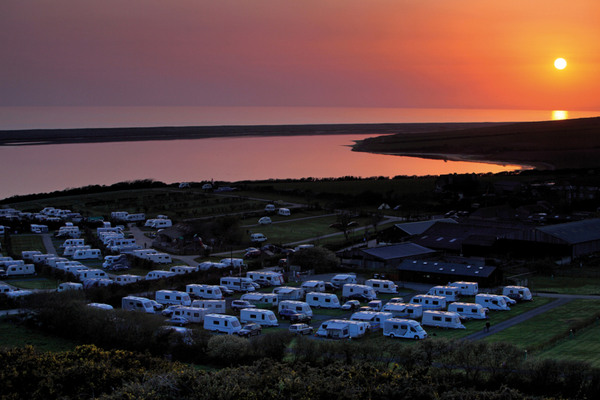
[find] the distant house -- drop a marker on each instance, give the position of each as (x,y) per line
(570,240)
(383,257)
(181,238)
(444,272)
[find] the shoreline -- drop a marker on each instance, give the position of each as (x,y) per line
(30,137)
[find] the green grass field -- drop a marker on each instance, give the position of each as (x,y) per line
(583,346)
(27,242)
(541,330)
(18,336)
(566,284)
(34,283)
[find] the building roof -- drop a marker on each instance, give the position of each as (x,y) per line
(395,251)
(446,268)
(416,228)
(574,232)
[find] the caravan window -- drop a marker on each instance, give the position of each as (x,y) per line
(459,309)
(436,318)
(327,300)
(435,302)
(410,311)
(412,329)
(473,310)
(225,323)
(217,322)
(448,319)
(235,323)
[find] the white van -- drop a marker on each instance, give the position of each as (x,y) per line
(222,323)
(297,306)
(192,314)
(350,289)
(262,317)
(261,299)
(134,303)
(342,329)
(237,283)
(63,287)
(313,286)
(340,280)
(442,319)
(492,302)
(404,310)
(173,297)
(258,237)
(466,288)
(284,211)
(451,293)
(382,285)
(324,300)
(469,310)
(403,328)
(213,306)
(204,291)
(274,278)
(289,293)
(517,291)
(373,318)
(429,302)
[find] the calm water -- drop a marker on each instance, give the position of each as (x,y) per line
(34,169)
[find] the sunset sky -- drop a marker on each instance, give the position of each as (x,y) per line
(363,53)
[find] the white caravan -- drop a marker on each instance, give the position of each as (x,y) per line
(297,306)
(233,262)
(313,286)
(173,298)
(159,274)
(206,265)
(193,314)
(126,279)
(469,310)
(261,299)
(442,319)
(222,323)
(119,215)
(429,302)
(237,283)
(134,303)
(274,278)
(466,288)
(324,300)
(451,293)
(69,251)
(353,289)
(27,255)
(204,291)
(340,280)
(262,317)
(492,302)
(36,228)
(342,329)
(87,254)
(24,269)
(158,223)
(39,258)
(53,261)
(72,242)
(403,328)
(382,285)
(270,207)
(63,287)
(289,293)
(91,273)
(74,269)
(404,310)
(4,288)
(517,291)
(284,211)
(182,269)
(213,306)
(373,318)
(159,258)
(136,217)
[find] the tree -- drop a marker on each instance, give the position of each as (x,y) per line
(318,259)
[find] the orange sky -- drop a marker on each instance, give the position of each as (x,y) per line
(376,53)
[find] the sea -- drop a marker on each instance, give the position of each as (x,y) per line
(46,168)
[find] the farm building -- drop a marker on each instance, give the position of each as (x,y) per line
(383,257)
(444,272)
(406,230)
(182,238)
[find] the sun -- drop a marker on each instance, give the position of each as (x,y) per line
(560,63)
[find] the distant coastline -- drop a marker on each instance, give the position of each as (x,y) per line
(103,135)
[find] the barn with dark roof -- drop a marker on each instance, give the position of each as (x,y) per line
(383,257)
(443,272)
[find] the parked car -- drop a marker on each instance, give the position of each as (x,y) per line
(250,330)
(157,306)
(509,300)
(181,321)
(226,291)
(252,253)
(394,300)
(299,317)
(360,297)
(263,283)
(301,329)
(240,304)
(264,221)
(351,305)
(167,312)
(286,313)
